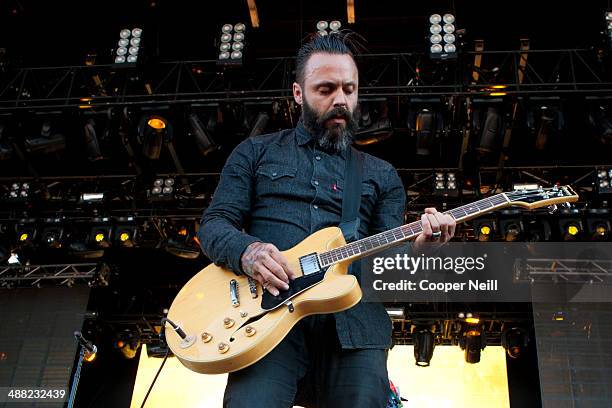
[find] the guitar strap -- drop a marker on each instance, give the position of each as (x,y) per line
(351,196)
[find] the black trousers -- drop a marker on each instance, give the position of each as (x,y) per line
(310,368)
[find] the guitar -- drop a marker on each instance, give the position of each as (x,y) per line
(224,322)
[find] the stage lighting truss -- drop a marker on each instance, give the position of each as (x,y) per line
(128,47)
(232,44)
(328,27)
(445,184)
(442,37)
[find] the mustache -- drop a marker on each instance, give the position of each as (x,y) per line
(338,112)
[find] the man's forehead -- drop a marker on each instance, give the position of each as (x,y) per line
(324,67)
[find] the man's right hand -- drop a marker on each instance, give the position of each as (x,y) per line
(265,263)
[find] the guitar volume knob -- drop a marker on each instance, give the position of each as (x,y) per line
(228,323)
(206,337)
(249,331)
(223,347)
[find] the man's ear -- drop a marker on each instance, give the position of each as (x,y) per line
(297,93)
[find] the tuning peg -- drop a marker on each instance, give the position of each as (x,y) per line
(552,209)
(567,205)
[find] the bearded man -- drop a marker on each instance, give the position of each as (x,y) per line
(277,189)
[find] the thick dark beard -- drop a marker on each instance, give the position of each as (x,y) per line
(334,139)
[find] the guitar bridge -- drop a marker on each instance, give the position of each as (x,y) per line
(310,264)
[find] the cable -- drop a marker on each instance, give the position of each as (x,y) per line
(155,379)
(175,326)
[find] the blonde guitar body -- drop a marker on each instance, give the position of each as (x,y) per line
(224,338)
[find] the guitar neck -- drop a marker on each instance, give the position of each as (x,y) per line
(384,240)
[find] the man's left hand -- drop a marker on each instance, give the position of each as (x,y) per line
(438,228)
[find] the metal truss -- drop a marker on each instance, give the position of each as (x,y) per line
(564,270)
(56,274)
(413,75)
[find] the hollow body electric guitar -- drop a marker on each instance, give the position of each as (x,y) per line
(224,322)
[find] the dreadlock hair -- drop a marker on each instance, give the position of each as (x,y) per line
(341,43)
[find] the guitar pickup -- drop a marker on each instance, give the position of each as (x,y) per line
(310,264)
(234,293)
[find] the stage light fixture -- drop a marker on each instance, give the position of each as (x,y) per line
(424,343)
(127,343)
(325,28)
(442,39)
(128,47)
(473,342)
(26,233)
(373,123)
(162,189)
(427,126)
(484,229)
(445,184)
(570,225)
(598,224)
(490,129)
(92,143)
(203,139)
(511,225)
(100,236)
(537,230)
(515,341)
(52,234)
(19,191)
(49,140)
(153,132)
(397,313)
(232,45)
(603,181)
(125,232)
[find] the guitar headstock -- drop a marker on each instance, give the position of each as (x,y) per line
(542,197)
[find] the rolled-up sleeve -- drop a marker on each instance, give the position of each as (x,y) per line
(221,229)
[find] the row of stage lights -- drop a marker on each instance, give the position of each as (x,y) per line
(471,337)
(89,241)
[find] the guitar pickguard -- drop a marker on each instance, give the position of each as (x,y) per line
(296,286)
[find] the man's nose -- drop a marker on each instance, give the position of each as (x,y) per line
(340,99)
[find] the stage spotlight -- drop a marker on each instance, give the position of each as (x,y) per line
(19,191)
(515,341)
(608,29)
(373,123)
(182,242)
(570,225)
(52,236)
(100,236)
(163,189)
(91,141)
(484,229)
(232,45)
(203,139)
(490,130)
(25,233)
(325,28)
(127,342)
(442,40)
(473,342)
(511,225)
(128,47)
(397,313)
(598,224)
(49,140)
(428,124)
(125,232)
(445,184)
(153,132)
(603,181)
(424,343)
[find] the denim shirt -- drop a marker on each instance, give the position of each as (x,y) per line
(280,188)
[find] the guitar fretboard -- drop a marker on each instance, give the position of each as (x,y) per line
(405,232)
